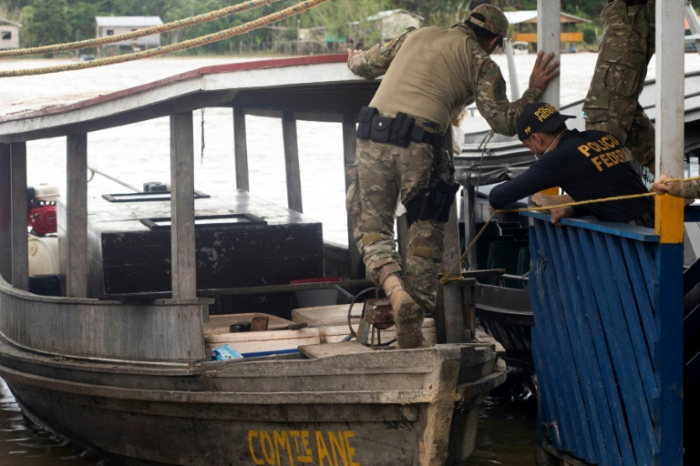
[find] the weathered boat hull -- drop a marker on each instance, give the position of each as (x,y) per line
(379,408)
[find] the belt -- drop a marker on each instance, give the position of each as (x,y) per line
(418,134)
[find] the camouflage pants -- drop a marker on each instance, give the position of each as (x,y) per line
(612,101)
(380,174)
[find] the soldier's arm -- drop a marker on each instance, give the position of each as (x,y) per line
(374,62)
(492,102)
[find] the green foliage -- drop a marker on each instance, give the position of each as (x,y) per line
(49,23)
(589,36)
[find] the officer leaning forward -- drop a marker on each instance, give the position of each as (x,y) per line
(431,73)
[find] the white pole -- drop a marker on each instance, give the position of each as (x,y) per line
(549,40)
(512,74)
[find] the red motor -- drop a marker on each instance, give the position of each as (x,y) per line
(42,219)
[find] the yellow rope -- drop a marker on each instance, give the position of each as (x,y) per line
(208,39)
(447,276)
(203,18)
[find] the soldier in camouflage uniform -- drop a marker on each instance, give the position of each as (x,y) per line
(686,189)
(625,51)
(430,74)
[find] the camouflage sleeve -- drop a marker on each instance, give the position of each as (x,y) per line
(492,102)
(374,62)
(691,190)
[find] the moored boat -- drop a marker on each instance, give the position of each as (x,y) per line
(123,364)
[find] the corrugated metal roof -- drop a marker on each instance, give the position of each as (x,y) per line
(7,21)
(128,21)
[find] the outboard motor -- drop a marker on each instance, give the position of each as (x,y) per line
(42,209)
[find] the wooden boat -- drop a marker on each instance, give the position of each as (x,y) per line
(130,373)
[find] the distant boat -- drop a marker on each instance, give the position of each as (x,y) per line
(521,48)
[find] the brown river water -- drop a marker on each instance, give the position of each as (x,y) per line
(507,428)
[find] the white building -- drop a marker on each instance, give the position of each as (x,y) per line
(106,26)
(391,23)
(9,34)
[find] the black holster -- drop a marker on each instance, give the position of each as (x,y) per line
(433,203)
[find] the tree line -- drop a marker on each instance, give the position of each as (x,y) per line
(48,22)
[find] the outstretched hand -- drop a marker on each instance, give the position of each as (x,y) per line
(543,72)
(559,213)
(660,186)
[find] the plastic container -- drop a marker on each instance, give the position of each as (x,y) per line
(312,298)
(43,255)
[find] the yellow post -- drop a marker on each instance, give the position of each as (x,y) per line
(669,219)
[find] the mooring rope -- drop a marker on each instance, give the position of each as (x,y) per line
(447,275)
(191,21)
(192,43)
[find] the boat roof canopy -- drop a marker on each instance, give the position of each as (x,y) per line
(322,92)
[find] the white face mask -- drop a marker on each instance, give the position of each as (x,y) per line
(537,156)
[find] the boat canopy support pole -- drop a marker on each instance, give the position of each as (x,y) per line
(357,269)
(5,213)
(76,225)
(549,40)
(291,161)
(20,264)
(240,143)
(184,266)
(453,302)
(669,226)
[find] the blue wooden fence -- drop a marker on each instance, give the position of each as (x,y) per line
(607,341)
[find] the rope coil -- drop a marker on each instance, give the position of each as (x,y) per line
(447,275)
(189,44)
(174,25)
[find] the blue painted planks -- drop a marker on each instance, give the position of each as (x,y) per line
(605,365)
(617,229)
(620,342)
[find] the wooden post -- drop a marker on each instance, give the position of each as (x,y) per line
(241,148)
(549,40)
(182,234)
(291,162)
(669,226)
(357,269)
(469,225)
(455,331)
(20,262)
(5,213)
(76,207)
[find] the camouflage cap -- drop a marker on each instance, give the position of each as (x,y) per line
(494,19)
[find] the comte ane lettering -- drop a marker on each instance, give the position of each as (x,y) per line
(605,152)
(293,447)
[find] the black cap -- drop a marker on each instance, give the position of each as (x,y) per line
(539,117)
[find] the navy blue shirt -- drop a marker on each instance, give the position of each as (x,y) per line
(587,165)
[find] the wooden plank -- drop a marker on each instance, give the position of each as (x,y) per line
(581,341)
(593,308)
(76,206)
(5,212)
(455,329)
(550,409)
(20,261)
(558,340)
(617,229)
(549,40)
(333,349)
(669,361)
(619,341)
(240,143)
(291,162)
(641,292)
(469,226)
(357,268)
(183,267)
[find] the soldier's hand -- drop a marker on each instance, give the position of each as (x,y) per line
(662,187)
(559,213)
(543,72)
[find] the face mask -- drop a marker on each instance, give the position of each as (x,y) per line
(537,156)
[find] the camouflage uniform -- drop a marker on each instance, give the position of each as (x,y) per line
(691,189)
(382,173)
(612,101)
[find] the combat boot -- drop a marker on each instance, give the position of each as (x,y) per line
(408,315)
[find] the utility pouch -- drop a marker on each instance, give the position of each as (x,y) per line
(401,129)
(364,127)
(381,129)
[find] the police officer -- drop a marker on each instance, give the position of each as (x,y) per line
(430,75)
(611,104)
(587,165)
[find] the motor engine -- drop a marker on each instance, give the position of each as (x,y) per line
(42,209)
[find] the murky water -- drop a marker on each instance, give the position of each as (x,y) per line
(139,153)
